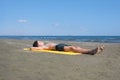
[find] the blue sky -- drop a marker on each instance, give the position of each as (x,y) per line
(59,17)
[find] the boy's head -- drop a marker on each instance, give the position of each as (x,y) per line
(38,44)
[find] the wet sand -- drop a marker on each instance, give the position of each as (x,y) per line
(17,64)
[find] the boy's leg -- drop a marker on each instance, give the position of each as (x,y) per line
(84,51)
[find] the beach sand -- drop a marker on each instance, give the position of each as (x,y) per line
(17,64)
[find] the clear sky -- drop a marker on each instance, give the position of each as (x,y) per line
(59,17)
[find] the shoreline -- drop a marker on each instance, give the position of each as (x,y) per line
(101,39)
(60,41)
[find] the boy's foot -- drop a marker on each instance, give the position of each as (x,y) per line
(97,50)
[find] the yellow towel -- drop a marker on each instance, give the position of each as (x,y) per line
(55,52)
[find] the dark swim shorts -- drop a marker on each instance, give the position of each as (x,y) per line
(60,47)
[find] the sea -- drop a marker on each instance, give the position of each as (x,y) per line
(101,39)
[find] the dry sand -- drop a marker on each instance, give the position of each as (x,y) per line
(17,64)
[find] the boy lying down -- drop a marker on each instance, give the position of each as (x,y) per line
(39,45)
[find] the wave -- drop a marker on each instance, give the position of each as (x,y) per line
(103,39)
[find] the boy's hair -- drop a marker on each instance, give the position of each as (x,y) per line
(35,44)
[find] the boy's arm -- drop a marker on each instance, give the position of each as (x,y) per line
(39,48)
(36,48)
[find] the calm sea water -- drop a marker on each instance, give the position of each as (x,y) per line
(103,39)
